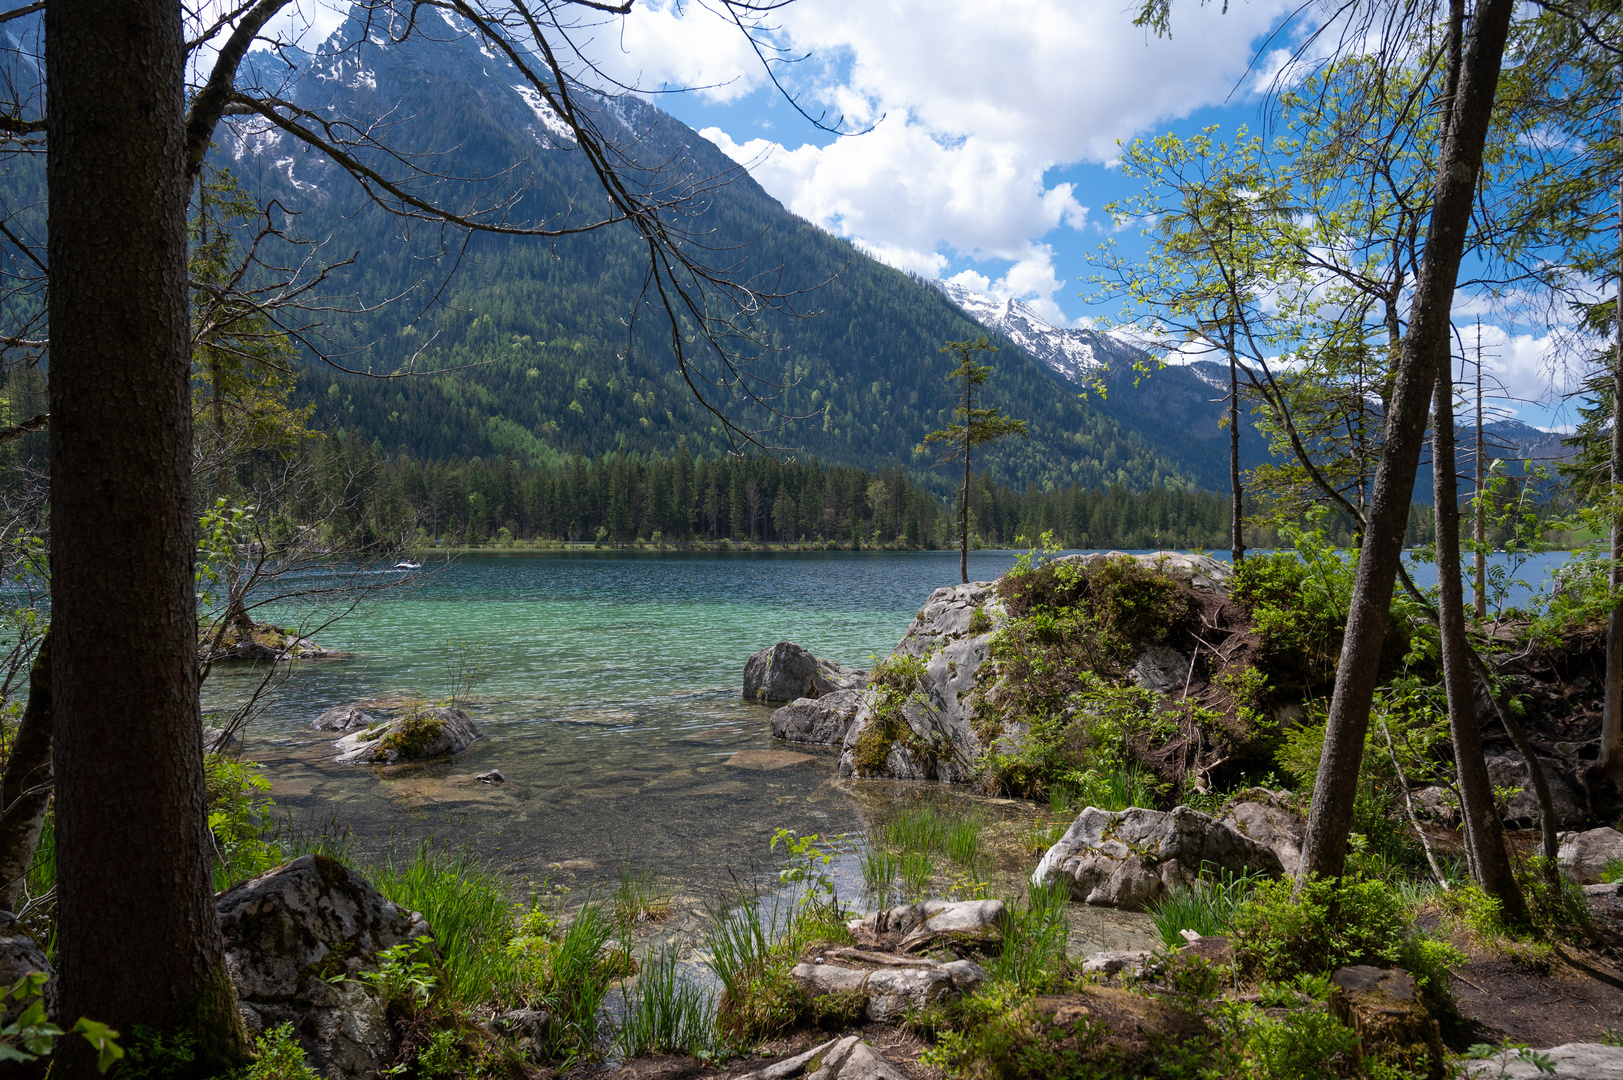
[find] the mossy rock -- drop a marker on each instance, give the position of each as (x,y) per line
(1383,1008)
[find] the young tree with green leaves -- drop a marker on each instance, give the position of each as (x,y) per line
(979,425)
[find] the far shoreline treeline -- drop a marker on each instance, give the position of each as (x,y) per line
(630,499)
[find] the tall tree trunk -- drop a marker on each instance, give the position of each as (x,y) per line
(1324,850)
(25,790)
(1483,831)
(1237,539)
(138,939)
(963,557)
(1610,762)
(1479,558)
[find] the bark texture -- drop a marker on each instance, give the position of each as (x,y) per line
(1483,831)
(25,790)
(1324,849)
(139,942)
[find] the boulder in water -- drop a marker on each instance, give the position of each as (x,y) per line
(821,721)
(420,735)
(787,671)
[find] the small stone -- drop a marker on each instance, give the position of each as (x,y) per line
(1604,890)
(494,776)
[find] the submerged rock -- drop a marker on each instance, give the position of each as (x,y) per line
(1131,858)
(420,735)
(787,671)
(822,721)
(1587,854)
(289,934)
(343,718)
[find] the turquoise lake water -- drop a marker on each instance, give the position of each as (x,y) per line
(612,705)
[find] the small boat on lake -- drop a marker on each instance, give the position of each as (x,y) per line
(407,565)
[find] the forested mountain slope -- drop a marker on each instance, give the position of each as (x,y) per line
(531,337)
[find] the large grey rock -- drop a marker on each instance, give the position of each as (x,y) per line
(1204,572)
(890,992)
(1130,859)
(848,1058)
(343,718)
(939,742)
(1279,830)
(21,955)
(1160,668)
(420,735)
(787,671)
(289,933)
(1587,853)
(822,721)
(1510,771)
(959,925)
(1570,1061)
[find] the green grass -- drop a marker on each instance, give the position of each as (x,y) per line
(667,1014)
(879,871)
(964,841)
(1115,789)
(923,830)
(1206,909)
(1613,871)
(1033,938)
(917,868)
(640,898)
(469,909)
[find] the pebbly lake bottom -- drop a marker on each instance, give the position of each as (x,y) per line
(607,690)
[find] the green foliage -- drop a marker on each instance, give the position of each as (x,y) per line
(240,820)
(411,736)
(1304,1044)
(1033,953)
(279,1057)
(897,680)
(443,1056)
(403,976)
(566,972)
(31,1035)
(810,858)
(1298,605)
(1333,923)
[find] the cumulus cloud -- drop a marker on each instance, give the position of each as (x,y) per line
(978,103)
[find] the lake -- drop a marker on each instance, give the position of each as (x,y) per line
(611,704)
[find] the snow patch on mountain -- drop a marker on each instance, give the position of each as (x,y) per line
(544,112)
(1078,354)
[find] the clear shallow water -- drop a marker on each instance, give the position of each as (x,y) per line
(612,705)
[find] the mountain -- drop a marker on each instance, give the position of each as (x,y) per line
(1177,408)
(529,339)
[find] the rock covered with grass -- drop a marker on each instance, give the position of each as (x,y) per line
(1131,858)
(300,941)
(786,671)
(1570,1061)
(258,642)
(423,733)
(916,721)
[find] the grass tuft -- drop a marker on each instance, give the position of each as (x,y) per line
(666,1013)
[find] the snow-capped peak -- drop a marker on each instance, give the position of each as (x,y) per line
(1075,353)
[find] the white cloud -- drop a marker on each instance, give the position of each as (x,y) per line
(978,102)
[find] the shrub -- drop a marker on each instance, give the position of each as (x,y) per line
(239,817)
(280,1057)
(1332,923)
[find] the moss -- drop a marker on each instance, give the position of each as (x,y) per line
(221,1039)
(838,1010)
(412,735)
(980,622)
(898,680)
